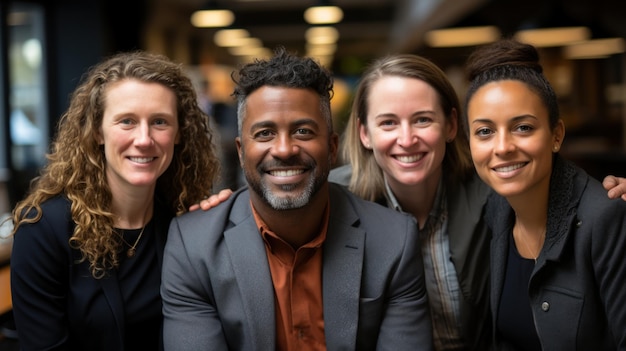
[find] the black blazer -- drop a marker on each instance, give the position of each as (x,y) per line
(576,289)
(57,304)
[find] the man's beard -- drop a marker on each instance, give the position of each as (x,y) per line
(291,201)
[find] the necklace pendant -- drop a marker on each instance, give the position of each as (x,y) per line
(130,252)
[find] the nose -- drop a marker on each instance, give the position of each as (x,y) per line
(284,147)
(406,136)
(504,144)
(143,137)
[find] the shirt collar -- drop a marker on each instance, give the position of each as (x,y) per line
(392,201)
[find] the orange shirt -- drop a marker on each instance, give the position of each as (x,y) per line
(297,278)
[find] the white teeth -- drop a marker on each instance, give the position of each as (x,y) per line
(409,159)
(141,159)
(509,168)
(287,173)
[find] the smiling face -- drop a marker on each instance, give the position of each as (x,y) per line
(511,139)
(285,148)
(139,129)
(406,131)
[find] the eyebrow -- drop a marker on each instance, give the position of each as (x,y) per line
(414,114)
(296,123)
(514,119)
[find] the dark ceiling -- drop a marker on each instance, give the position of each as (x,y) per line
(375,27)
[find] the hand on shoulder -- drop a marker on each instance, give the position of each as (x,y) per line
(616,187)
(212,200)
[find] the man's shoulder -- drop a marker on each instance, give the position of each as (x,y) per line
(218,214)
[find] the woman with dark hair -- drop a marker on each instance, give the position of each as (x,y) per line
(557,254)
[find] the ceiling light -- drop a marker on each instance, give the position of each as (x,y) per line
(211,17)
(323,15)
(545,37)
(230,37)
(322,35)
(321,49)
(598,48)
(249,51)
(463,36)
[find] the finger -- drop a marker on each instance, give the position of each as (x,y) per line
(609,182)
(224,194)
(619,190)
(209,203)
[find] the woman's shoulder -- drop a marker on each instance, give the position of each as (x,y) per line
(55,213)
(341,175)
(471,190)
(52,230)
(55,207)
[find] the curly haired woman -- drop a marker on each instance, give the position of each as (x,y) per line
(132,151)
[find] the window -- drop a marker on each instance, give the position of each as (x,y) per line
(27,84)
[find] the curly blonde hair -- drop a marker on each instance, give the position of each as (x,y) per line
(76,163)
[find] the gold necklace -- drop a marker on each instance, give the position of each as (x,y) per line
(131,251)
(536,256)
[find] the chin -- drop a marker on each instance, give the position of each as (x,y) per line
(508,190)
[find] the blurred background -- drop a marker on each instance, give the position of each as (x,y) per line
(45,47)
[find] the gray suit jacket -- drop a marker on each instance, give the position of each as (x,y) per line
(218,294)
(469,251)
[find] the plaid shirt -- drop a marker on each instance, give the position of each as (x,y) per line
(444,294)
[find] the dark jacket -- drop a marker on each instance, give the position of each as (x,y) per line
(50,290)
(577,289)
(469,248)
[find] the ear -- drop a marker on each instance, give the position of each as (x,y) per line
(558,135)
(452,126)
(239,152)
(364,135)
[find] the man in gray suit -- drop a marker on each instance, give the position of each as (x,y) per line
(292,262)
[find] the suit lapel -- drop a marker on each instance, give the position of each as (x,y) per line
(343,263)
(468,240)
(112,292)
(249,263)
(502,229)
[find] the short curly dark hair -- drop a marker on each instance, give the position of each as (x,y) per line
(284,69)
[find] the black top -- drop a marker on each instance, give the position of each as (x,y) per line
(515,322)
(58,304)
(139,280)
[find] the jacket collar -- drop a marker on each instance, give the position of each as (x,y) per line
(565,193)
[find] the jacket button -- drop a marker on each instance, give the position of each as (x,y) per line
(579,223)
(545,306)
